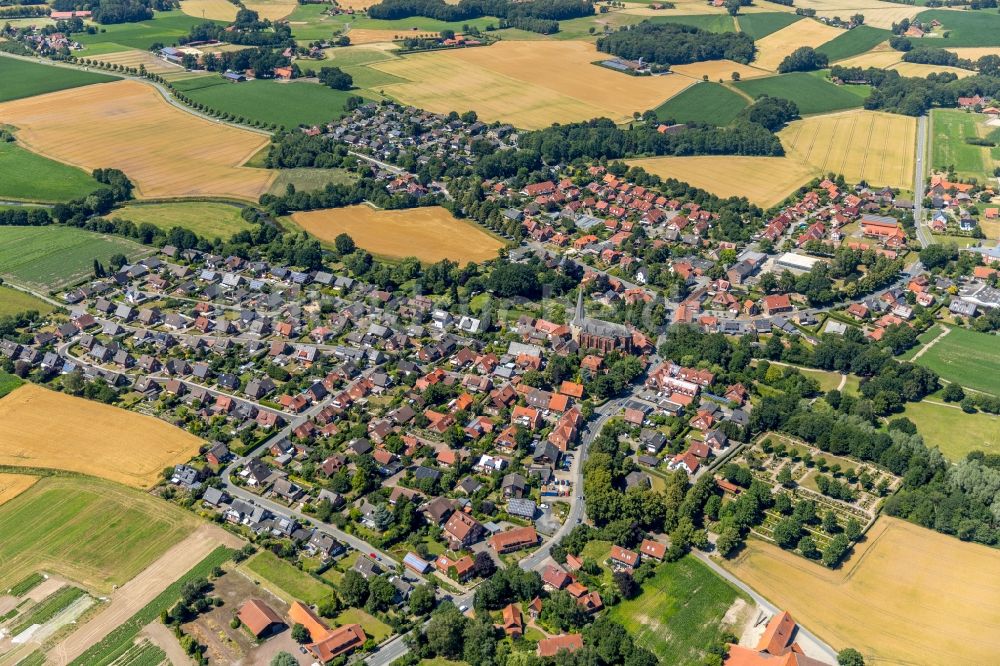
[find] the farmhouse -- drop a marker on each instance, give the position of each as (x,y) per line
(258,618)
(776,647)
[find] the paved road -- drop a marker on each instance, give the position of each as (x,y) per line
(918,183)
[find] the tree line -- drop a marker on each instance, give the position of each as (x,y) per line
(116,11)
(676,44)
(913,96)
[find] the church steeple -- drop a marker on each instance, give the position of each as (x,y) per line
(580,314)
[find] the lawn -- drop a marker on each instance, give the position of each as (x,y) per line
(19,78)
(810,91)
(306,179)
(164,28)
(704,102)
(710,22)
(52,257)
(32,177)
(8,383)
(374,628)
(969,358)
(13,301)
(294,583)
(968,28)
(949,129)
(939,423)
(853,42)
(680,611)
(762,25)
(302,103)
(908,595)
(95,533)
(207,219)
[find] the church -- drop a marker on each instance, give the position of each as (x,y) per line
(604,336)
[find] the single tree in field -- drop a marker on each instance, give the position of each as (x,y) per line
(850,657)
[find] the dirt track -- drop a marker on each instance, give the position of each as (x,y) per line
(135,594)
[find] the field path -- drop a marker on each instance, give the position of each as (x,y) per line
(131,597)
(930,344)
(164,638)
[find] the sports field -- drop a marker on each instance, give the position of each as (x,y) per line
(703,102)
(908,595)
(765,181)
(52,257)
(966,28)
(680,611)
(208,220)
(302,102)
(810,91)
(13,301)
(969,358)
(43,428)
(772,49)
(939,422)
(291,583)
(948,130)
(31,177)
(95,533)
(861,145)
(19,79)
(857,40)
(529,84)
(12,485)
(430,233)
(167,152)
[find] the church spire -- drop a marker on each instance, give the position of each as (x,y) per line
(580,315)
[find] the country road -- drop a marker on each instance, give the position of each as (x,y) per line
(918,183)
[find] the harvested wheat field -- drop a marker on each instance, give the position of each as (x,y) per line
(430,234)
(765,181)
(43,428)
(908,595)
(530,84)
(877,14)
(862,145)
(771,50)
(136,57)
(217,10)
(718,69)
(882,57)
(272,10)
(369,36)
(691,7)
(923,71)
(975,52)
(167,152)
(12,485)
(356,5)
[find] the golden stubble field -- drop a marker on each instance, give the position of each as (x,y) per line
(719,69)
(12,485)
(430,234)
(223,10)
(862,145)
(877,14)
(765,181)
(772,49)
(908,595)
(136,57)
(43,428)
(166,151)
(529,84)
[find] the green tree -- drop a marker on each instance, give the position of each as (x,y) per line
(354,589)
(850,657)
(344,244)
(299,633)
(284,659)
(336,78)
(445,632)
(422,599)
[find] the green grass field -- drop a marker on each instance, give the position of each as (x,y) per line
(306,180)
(704,102)
(95,533)
(949,128)
(374,628)
(710,22)
(762,25)
(679,613)
(302,103)
(13,301)
(939,423)
(8,383)
(295,583)
(309,23)
(52,257)
(207,219)
(969,358)
(31,177)
(19,78)
(810,91)
(163,28)
(854,42)
(968,28)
